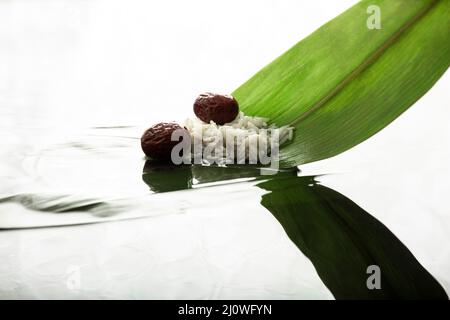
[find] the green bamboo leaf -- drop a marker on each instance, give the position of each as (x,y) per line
(342,240)
(345,82)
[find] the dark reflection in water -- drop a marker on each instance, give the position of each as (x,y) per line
(163,177)
(339,237)
(342,240)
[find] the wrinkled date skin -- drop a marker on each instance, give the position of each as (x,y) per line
(219,108)
(156,142)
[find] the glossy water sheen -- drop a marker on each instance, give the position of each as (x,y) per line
(186,231)
(82,215)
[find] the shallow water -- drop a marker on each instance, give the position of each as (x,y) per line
(85,215)
(82,215)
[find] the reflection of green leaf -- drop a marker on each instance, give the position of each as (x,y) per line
(344,82)
(342,240)
(164,177)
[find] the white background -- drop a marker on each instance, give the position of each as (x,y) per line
(128,61)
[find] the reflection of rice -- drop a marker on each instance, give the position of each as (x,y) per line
(246,133)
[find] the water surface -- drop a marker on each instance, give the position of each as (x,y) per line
(90,206)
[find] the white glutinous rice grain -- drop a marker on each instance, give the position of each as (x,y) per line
(239,140)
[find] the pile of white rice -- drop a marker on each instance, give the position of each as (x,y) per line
(253,132)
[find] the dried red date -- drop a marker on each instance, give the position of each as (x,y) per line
(219,108)
(156,141)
